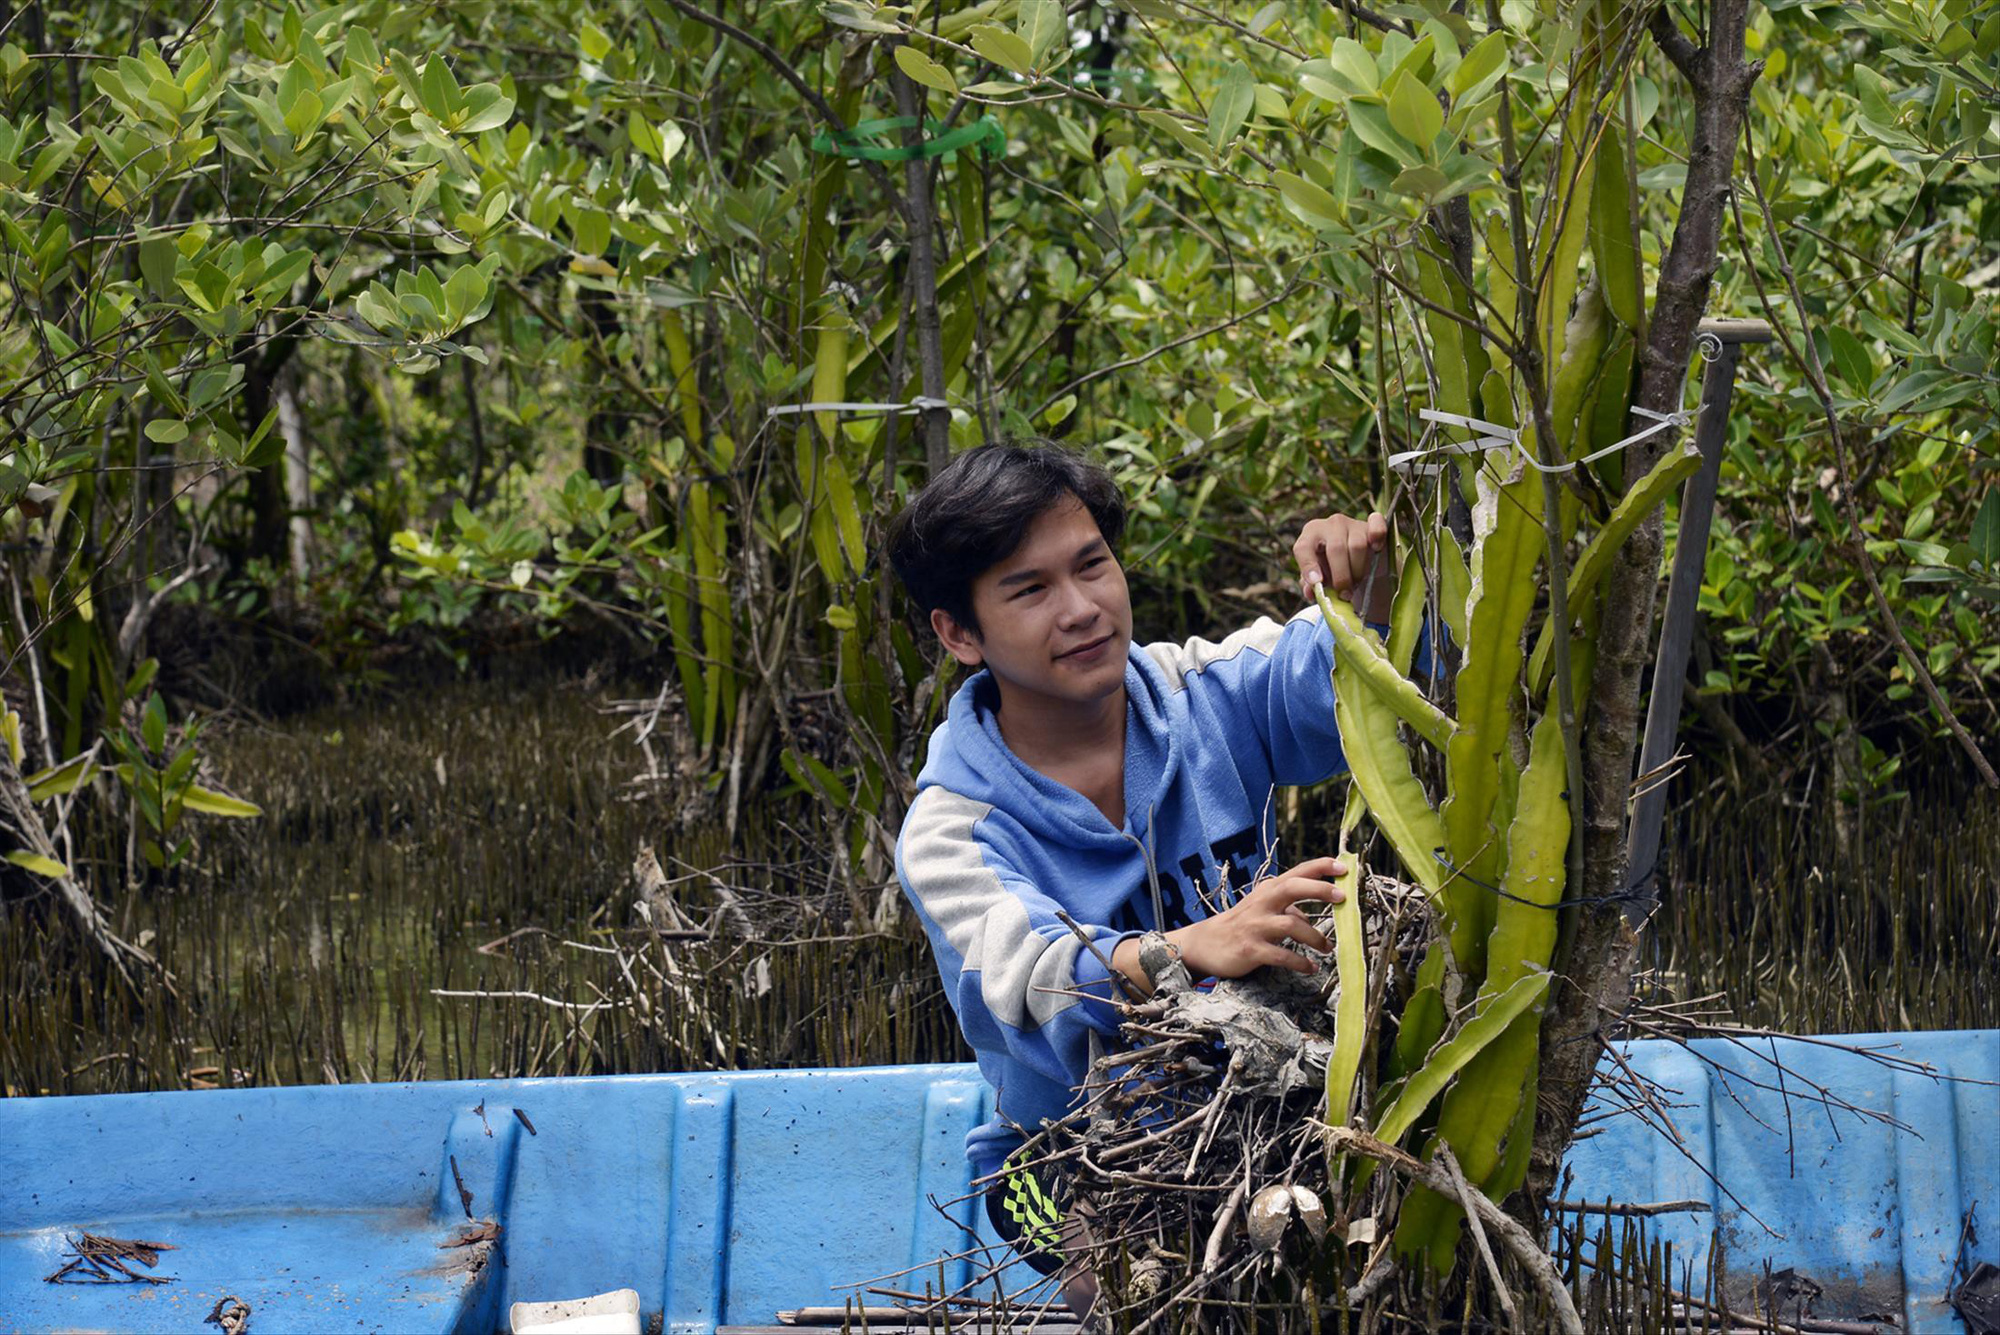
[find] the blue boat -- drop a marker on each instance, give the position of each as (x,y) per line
(725,1199)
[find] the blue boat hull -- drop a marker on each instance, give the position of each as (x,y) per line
(724,1198)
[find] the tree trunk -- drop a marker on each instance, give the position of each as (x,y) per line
(1826,702)
(476,482)
(268,534)
(298,478)
(604,433)
(935,420)
(1596,980)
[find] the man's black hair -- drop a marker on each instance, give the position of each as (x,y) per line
(974,513)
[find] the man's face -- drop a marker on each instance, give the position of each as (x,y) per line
(1054,617)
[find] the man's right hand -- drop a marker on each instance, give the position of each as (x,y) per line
(1252,931)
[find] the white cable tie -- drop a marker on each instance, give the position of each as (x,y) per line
(1492,436)
(1661,421)
(916,405)
(1496,436)
(1401,462)
(1471,423)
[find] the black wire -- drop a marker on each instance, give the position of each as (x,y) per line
(1640,891)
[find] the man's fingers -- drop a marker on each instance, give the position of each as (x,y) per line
(1339,570)
(1286,959)
(1321,550)
(1294,888)
(1360,553)
(1306,934)
(1309,553)
(1317,869)
(1338,551)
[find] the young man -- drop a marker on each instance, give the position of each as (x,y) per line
(1127,787)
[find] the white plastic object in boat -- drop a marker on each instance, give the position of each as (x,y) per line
(614,1313)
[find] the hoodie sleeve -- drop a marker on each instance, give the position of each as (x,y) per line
(1272,686)
(1011,968)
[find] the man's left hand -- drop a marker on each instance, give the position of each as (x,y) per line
(1339,551)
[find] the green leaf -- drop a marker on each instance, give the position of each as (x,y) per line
(1308,197)
(1611,232)
(266,112)
(1911,388)
(36,863)
(50,160)
(643,136)
(1414,111)
(419,308)
(166,431)
(440,90)
(1232,105)
(672,137)
(923,70)
(411,82)
(1894,335)
(1421,182)
(303,115)
(208,287)
(360,48)
(1985,536)
(1003,48)
(814,776)
(158,258)
(591,228)
(1323,89)
(1421,1089)
(153,725)
(464,292)
(1353,66)
(141,677)
(1371,125)
(281,273)
(1041,25)
(1172,127)
(1361,658)
(211,803)
(1480,62)
(1873,92)
(263,450)
(486,108)
(1851,359)
(334,96)
(59,780)
(846,513)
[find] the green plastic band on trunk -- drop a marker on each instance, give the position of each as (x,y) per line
(985,134)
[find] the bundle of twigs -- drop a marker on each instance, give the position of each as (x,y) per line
(94,1259)
(1199,1161)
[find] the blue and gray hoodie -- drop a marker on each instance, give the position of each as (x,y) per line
(991,849)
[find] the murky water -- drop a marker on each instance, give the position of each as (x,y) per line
(480,839)
(472,840)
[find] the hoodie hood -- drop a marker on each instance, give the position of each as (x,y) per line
(970,757)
